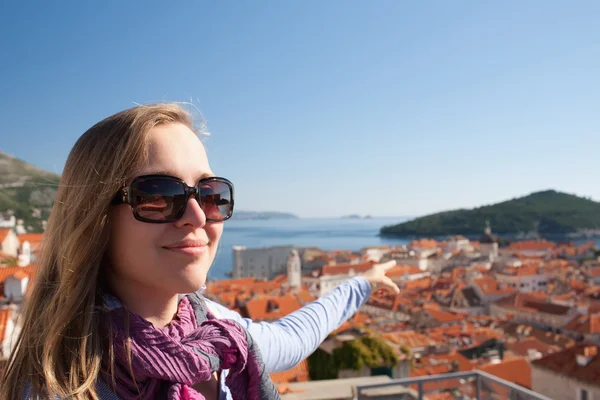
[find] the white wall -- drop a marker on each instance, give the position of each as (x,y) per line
(11,244)
(528,283)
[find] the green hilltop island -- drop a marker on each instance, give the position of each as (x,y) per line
(547,213)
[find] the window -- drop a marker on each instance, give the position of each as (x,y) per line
(583,394)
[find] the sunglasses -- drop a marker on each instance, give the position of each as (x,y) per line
(161,198)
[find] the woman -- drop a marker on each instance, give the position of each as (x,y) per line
(136,224)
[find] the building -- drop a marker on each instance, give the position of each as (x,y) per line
(530,310)
(30,248)
(524,279)
(260,263)
(466,300)
(9,242)
(324,280)
(571,374)
(531,248)
(488,244)
(585,328)
(294,269)
(458,243)
(489,290)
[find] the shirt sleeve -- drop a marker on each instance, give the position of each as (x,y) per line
(289,340)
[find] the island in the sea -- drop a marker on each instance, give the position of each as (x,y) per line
(546,213)
(262,215)
(356,216)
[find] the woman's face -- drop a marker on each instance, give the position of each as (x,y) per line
(149,257)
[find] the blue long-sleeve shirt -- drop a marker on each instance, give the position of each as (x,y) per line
(289,340)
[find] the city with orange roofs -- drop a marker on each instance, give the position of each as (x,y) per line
(474,317)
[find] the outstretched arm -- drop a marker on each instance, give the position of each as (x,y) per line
(289,340)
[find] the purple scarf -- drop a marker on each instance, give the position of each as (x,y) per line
(167,362)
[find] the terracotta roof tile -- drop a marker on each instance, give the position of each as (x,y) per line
(524,346)
(516,370)
(588,324)
(531,245)
(5,272)
(565,364)
(263,308)
(4,233)
(410,339)
(299,373)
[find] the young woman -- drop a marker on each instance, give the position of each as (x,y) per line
(135,226)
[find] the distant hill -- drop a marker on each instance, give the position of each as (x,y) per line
(253,215)
(27,191)
(548,212)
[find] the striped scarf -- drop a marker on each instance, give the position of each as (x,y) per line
(167,362)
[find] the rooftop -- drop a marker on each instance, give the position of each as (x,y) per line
(579,362)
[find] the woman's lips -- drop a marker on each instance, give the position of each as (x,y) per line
(192,250)
(190,247)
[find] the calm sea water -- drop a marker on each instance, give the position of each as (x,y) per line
(328,234)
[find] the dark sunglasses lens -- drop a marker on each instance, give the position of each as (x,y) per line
(216,200)
(158,199)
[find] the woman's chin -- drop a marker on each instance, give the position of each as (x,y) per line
(190,284)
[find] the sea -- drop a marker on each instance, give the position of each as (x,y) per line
(326,233)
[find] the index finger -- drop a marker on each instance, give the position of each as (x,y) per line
(388,265)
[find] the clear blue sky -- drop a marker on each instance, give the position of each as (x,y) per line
(326,108)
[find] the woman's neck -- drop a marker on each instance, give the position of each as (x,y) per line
(156,307)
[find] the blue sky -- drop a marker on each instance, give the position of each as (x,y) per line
(326,108)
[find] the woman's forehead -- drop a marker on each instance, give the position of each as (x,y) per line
(175,150)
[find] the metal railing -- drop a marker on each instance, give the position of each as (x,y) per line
(472,385)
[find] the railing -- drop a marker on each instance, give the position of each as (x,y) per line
(472,385)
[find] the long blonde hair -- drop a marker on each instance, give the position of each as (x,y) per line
(60,348)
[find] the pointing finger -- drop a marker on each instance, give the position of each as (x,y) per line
(390,285)
(388,265)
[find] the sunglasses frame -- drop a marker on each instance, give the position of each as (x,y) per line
(124,196)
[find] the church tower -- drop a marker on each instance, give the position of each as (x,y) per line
(294,267)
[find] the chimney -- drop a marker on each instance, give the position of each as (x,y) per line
(589,352)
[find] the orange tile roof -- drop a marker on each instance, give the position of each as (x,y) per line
(589,324)
(305,296)
(20,275)
(271,307)
(516,370)
(417,284)
(299,373)
(446,316)
(440,364)
(424,244)
(530,245)
(4,233)
(410,339)
(402,270)
(5,272)
(565,363)
(32,238)
(523,346)
(491,286)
